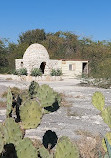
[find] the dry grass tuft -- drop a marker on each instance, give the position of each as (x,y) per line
(70,113)
(64,103)
(84,133)
(2,104)
(89,145)
(14,90)
(8,79)
(37,143)
(79,96)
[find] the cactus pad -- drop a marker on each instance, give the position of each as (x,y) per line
(46,95)
(43,152)
(98,100)
(11,131)
(106,115)
(33,88)
(24,96)
(58,97)
(30,114)
(1,143)
(65,149)
(25,149)
(108,137)
(9,102)
(108,148)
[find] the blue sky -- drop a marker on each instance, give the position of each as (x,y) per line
(90,18)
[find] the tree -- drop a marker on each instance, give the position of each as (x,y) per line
(3,52)
(32,36)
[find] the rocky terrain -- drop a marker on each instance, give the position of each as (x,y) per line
(77,115)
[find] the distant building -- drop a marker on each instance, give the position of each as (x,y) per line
(36,56)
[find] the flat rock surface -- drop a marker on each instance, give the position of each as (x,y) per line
(78,115)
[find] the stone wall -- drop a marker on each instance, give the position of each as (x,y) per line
(31,78)
(29,65)
(18,63)
(73,68)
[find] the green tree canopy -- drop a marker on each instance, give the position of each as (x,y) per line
(32,36)
(60,45)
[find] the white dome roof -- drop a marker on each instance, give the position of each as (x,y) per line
(36,52)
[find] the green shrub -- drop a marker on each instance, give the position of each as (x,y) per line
(15,72)
(36,72)
(56,72)
(22,71)
(53,72)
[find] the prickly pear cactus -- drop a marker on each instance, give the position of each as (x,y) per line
(58,97)
(1,143)
(11,131)
(24,96)
(46,95)
(106,156)
(9,102)
(108,148)
(30,114)
(25,149)
(65,149)
(43,152)
(106,115)
(98,100)
(33,88)
(108,137)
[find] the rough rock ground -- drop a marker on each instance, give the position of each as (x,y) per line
(79,116)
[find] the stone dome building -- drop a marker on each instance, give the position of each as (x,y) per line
(36,56)
(36,51)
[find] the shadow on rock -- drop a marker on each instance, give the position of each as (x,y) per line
(54,107)
(9,151)
(49,139)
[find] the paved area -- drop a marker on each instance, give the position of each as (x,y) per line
(80,115)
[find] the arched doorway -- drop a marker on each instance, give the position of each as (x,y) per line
(42,66)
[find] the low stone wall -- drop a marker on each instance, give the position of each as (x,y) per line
(31,78)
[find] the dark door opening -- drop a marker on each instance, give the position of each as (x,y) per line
(42,66)
(85,68)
